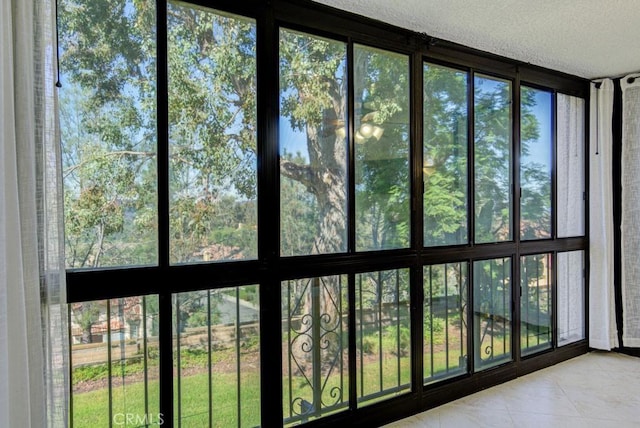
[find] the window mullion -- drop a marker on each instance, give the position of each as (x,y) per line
(165,306)
(516,225)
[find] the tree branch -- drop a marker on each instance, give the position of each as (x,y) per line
(297,172)
(104,155)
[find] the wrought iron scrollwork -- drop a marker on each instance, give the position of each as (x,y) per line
(315,347)
(488,350)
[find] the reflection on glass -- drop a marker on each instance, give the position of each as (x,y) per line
(108,132)
(571,296)
(315,356)
(381,136)
(383,335)
(212,135)
(445,321)
(491,312)
(535,303)
(445,156)
(493,133)
(114,360)
(536,136)
(571,182)
(216,358)
(313,145)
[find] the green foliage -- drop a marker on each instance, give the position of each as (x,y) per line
(444,210)
(194,357)
(131,366)
(108,104)
(190,357)
(433,325)
(313,102)
(86,314)
(536,287)
(400,340)
(109,132)
(492,287)
(369,344)
(394,339)
(493,130)
(445,156)
(535,170)
(92,372)
(250,294)
(309,78)
(382,164)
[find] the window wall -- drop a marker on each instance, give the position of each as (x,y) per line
(279,214)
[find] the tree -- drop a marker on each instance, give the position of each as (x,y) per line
(314,102)
(492,160)
(108,133)
(445,156)
(535,163)
(86,314)
(212,131)
(109,93)
(299,214)
(382,163)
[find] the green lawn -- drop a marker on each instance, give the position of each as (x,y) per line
(384,377)
(91,409)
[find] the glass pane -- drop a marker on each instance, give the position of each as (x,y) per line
(444,161)
(570,153)
(108,132)
(313,145)
(381,149)
(212,135)
(114,362)
(445,321)
(216,357)
(493,133)
(315,356)
(491,312)
(570,297)
(536,136)
(535,303)
(383,335)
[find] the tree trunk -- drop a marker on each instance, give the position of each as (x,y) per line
(86,334)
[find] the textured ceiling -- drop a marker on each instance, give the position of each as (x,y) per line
(586,38)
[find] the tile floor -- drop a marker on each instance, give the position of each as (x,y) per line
(596,390)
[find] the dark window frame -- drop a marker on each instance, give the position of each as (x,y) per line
(270,269)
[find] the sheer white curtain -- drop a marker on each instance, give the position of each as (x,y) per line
(570,175)
(33,318)
(602,322)
(631,210)
(571,207)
